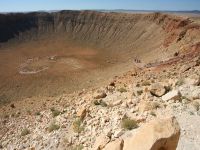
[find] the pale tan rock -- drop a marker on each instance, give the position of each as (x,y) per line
(115,145)
(157,89)
(82,112)
(172,95)
(147,106)
(101,142)
(159,134)
(118,102)
(99,95)
(118,133)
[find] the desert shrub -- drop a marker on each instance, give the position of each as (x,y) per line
(180,82)
(53,127)
(168,88)
(96,102)
(17,114)
(28,112)
(137,85)
(155,105)
(37,113)
(77,126)
(78,147)
(25,132)
(146,83)
(102,103)
(129,124)
(153,113)
(122,90)
(55,112)
(139,92)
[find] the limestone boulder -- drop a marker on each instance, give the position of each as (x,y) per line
(159,134)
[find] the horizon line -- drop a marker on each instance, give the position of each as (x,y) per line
(147,10)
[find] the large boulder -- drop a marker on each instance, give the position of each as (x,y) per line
(160,134)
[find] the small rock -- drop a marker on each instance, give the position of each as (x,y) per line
(112,83)
(81,113)
(12,106)
(172,95)
(118,102)
(157,89)
(100,95)
(108,133)
(118,133)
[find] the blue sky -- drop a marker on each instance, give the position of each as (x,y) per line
(34,5)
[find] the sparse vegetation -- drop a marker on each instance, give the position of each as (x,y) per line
(168,88)
(139,92)
(155,105)
(78,147)
(28,112)
(180,82)
(153,113)
(77,126)
(55,112)
(96,102)
(146,83)
(102,103)
(37,113)
(53,127)
(122,90)
(6,116)
(129,124)
(25,132)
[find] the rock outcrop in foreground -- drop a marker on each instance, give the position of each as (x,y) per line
(156,135)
